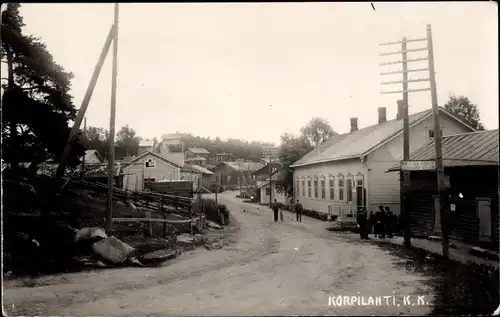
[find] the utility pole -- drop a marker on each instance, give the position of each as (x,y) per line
(111,155)
(443,195)
(85,101)
(404,175)
(83,160)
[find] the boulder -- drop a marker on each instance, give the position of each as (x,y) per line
(213,225)
(90,233)
(159,255)
(185,238)
(113,250)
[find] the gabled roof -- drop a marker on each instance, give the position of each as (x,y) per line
(90,153)
(197,150)
(464,149)
(244,166)
(363,141)
(195,169)
(267,166)
(164,159)
(198,158)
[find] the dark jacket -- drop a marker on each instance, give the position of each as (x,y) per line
(361,216)
(298,207)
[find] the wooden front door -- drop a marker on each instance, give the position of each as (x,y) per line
(484,218)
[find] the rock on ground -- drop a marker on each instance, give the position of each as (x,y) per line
(113,250)
(213,225)
(90,233)
(158,255)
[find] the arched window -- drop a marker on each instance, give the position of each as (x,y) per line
(331,186)
(309,187)
(322,185)
(297,187)
(340,180)
(316,186)
(303,181)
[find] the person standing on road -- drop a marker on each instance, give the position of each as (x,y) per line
(275,208)
(361,219)
(298,211)
(389,223)
(381,221)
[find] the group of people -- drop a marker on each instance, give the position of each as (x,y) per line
(382,223)
(278,212)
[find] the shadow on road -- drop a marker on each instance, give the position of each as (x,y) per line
(461,289)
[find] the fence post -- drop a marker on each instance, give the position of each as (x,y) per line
(150,225)
(162,209)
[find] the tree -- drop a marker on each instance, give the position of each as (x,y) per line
(36,104)
(317,131)
(291,150)
(127,141)
(97,139)
(465,110)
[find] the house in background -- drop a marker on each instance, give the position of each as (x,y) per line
(148,168)
(147,145)
(92,157)
(471,170)
(264,172)
(199,175)
(221,157)
(266,188)
(348,170)
(172,143)
(230,175)
(194,153)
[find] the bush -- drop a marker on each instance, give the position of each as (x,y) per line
(209,208)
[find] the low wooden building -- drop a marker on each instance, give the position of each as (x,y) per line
(471,173)
(200,176)
(233,175)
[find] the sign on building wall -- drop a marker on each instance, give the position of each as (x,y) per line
(418,165)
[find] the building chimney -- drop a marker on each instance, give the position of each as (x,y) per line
(354,124)
(399,116)
(382,115)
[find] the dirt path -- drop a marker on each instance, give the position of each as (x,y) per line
(271,269)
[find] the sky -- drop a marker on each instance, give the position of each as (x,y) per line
(257,70)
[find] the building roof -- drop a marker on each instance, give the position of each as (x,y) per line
(195,169)
(244,166)
(173,136)
(90,153)
(363,141)
(464,149)
(267,166)
(138,158)
(198,150)
(146,142)
(198,158)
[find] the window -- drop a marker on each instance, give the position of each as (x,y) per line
(431,133)
(308,187)
(349,189)
(150,163)
(268,191)
(323,191)
(332,187)
(359,183)
(315,187)
(228,179)
(341,188)
(273,170)
(297,189)
(253,177)
(303,188)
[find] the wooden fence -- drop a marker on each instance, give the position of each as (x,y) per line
(162,203)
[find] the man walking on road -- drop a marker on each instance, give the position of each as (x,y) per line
(298,211)
(276,209)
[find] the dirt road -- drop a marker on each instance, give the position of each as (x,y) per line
(271,269)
